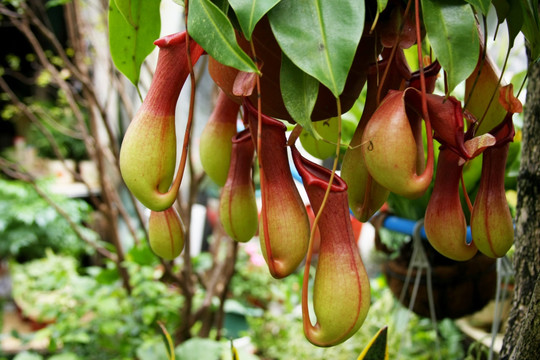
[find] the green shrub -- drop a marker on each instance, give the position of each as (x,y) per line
(94,316)
(279,335)
(29,224)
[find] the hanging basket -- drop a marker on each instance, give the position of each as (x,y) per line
(459,288)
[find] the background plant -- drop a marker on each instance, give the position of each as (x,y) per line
(207,276)
(68,65)
(94,317)
(29,224)
(410,336)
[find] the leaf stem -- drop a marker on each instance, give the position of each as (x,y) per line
(465,194)
(425,112)
(392,55)
(294,134)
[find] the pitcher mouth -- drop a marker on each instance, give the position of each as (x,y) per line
(315,175)
(252,110)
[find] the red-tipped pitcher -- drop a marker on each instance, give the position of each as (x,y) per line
(148,153)
(237,207)
(215,143)
(445,224)
(491,222)
(393,148)
(341,293)
(283,223)
(166,233)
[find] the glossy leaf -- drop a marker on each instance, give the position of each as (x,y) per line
(531,7)
(209,26)
(131,42)
(514,22)
(482,5)
(324,145)
(322,38)
(299,91)
(502,7)
(452,32)
(170,343)
(531,27)
(377,349)
(381,5)
(124,6)
(249,12)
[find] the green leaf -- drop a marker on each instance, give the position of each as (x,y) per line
(482,5)
(25,355)
(532,7)
(381,5)
(152,349)
(249,12)
(377,349)
(209,27)
(513,15)
(107,276)
(502,8)
(131,42)
(514,22)
(170,344)
(141,255)
(53,3)
(531,27)
(299,91)
(64,356)
(327,132)
(452,32)
(124,6)
(320,37)
(199,349)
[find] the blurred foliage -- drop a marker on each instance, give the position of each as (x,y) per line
(59,120)
(253,286)
(279,335)
(29,224)
(94,317)
(49,105)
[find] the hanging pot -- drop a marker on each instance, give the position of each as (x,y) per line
(459,288)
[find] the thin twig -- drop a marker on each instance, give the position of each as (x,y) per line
(50,138)
(22,24)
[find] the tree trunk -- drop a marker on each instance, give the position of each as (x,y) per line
(522,337)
